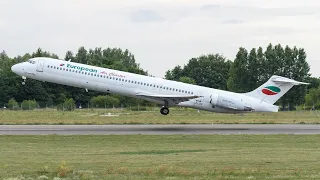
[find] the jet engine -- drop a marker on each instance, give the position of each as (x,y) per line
(229,103)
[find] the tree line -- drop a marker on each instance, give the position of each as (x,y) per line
(50,94)
(246,72)
(249,70)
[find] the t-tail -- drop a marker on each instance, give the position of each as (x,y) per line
(273,89)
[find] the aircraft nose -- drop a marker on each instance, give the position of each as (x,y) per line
(14,68)
(17,69)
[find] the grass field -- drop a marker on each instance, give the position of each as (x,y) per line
(176,116)
(160,157)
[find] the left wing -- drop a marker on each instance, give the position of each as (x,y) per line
(168,99)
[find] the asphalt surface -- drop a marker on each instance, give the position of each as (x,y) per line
(160,129)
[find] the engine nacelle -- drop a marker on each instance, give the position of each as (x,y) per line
(229,103)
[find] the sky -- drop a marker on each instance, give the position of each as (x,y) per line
(160,33)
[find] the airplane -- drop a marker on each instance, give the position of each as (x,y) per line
(161,91)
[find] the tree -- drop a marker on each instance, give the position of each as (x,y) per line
(313,98)
(104,101)
(81,56)
(13,104)
(68,105)
(40,53)
(187,80)
(174,74)
(250,71)
(29,104)
(207,70)
(314,82)
(239,75)
(295,67)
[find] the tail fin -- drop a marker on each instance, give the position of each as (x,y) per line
(273,89)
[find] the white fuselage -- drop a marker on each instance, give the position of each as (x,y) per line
(129,84)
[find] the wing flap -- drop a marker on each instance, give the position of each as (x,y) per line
(170,99)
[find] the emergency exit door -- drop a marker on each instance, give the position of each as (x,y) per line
(40,66)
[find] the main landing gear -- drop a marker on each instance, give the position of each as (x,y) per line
(164,110)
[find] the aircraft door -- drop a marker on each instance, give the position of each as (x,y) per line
(40,66)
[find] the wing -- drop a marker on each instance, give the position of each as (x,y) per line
(167,99)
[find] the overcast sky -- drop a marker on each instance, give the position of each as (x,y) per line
(160,33)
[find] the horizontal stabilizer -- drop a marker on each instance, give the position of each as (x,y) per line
(279,79)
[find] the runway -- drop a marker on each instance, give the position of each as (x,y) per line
(160,129)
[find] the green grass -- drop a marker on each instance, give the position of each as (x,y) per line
(161,157)
(176,116)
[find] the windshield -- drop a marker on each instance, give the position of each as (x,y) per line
(31,61)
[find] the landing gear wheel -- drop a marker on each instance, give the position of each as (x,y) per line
(164,111)
(24,80)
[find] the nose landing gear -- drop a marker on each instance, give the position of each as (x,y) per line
(24,80)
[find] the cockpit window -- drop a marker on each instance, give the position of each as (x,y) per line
(31,61)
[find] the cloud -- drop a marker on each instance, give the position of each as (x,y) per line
(253,12)
(210,7)
(232,21)
(160,33)
(146,16)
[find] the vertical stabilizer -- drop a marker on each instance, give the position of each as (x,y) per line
(273,89)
